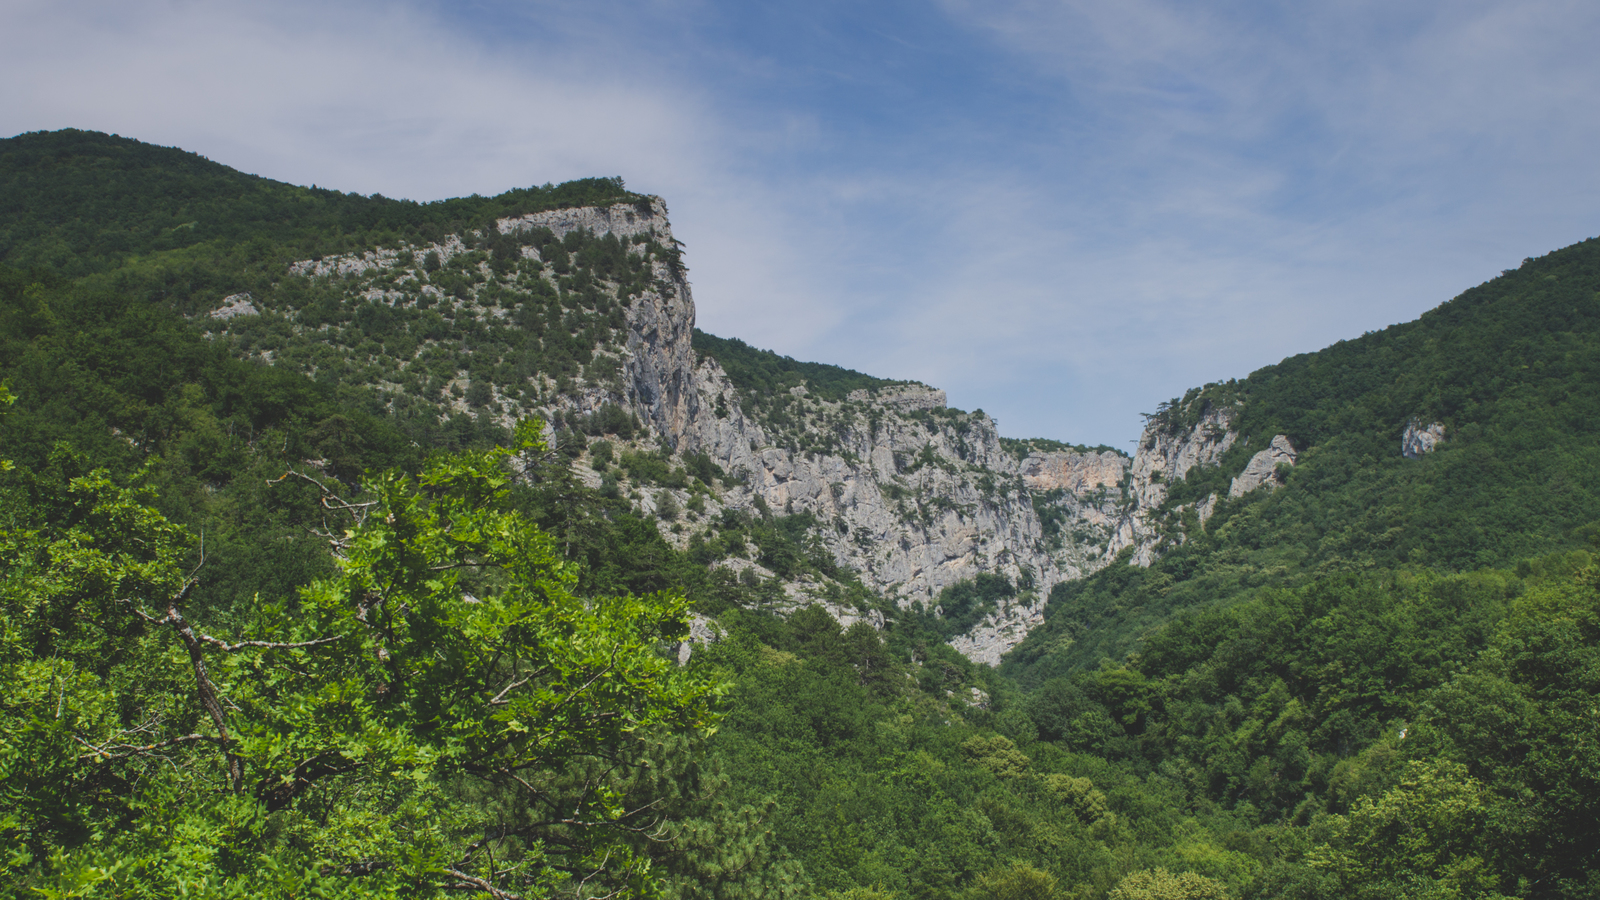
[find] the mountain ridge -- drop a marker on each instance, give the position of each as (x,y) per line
(543,301)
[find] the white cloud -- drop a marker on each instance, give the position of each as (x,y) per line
(362,98)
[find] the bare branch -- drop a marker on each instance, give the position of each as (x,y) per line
(266,645)
(207,691)
(125,751)
(499,699)
(278,793)
(474,883)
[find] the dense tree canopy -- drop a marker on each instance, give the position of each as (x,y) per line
(442,712)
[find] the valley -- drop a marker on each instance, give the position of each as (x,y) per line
(1329,631)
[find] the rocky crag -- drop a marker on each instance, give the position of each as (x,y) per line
(569,313)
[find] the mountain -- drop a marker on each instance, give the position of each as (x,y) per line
(582,314)
(910,496)
(1329,631)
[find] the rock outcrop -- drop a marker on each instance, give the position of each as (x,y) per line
(915,504)
(235,306)
(911,496)
(624,220)
(1165,455)
(1079,473)
(1263,468)
(1420,439)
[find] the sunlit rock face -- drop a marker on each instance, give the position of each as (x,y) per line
(1263,468)
(1166,456)
(911,496)
(1419,440)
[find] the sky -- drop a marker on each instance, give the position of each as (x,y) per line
(1060,212)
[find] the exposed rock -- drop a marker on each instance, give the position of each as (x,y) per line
(1079,473)
(1263,468)
(701,631)
(907,527)
(1205,508)
(621,219)
(1419,439)
(990,639)
(910,530)
(235,306)
(906,397)
(1165,456)
(360,263)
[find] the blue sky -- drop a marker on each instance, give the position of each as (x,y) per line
(1061,212)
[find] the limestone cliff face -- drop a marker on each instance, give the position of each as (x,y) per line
(1419,440)
(1262,469)
(656,358)
(659,361)
(1079,473)
(1165,455)
(910,495)
(915,503)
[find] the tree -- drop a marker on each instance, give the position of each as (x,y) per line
(1424,838)
(1159,884)
(443,714)
(1018,881)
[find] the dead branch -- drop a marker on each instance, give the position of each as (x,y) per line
(265,645)
(103,752)
(467,882)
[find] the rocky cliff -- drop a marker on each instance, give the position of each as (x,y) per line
(917,497)
(568,313)
(1168,449)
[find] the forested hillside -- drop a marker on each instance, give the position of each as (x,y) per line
(297,602)
(1510,369)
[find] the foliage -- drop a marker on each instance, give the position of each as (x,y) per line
(1019,881)
(1377,681)
(443,712)
(780,393)
(760,373)
(82,202)
(1159,884)
(1423,838)
(1022,447)
(965,603)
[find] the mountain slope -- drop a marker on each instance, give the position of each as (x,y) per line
(1508,372)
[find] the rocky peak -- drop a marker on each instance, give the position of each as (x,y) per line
(1166,455)
(912,496)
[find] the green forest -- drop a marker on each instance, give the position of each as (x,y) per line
(329,627)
